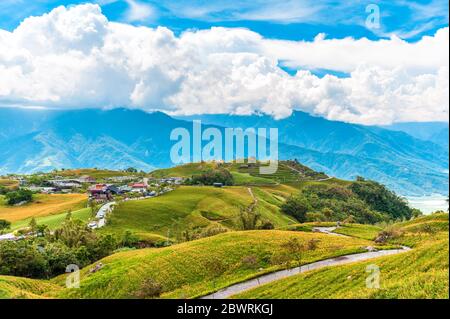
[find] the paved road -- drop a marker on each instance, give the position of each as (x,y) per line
(264,279)
(9,236)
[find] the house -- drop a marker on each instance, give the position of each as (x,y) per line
(65,183)
(100,192)
(138,187)
(87,179)
(124,189)
(114,189)
(218,184)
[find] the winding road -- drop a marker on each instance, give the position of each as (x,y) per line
(277,275)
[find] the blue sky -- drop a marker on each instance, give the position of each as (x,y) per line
(329,58)
(289,19)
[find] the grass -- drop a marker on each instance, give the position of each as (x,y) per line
(186,170)
(368,232)
(191,207)
(42,205)
(419,273)
(9,183)
(199,267)
(54,221)
(24,288)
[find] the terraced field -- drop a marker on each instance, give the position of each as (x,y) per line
(42,205)
(9,183)
(199,267)
(190,207)
(54,221)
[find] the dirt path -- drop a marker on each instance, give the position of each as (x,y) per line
(264,279)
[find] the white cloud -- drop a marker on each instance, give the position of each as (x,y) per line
(76,58)
(139,12)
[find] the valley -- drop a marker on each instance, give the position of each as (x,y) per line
(191,240)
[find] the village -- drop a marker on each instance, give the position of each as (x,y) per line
(102,193)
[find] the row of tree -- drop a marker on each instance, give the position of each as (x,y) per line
(366,202)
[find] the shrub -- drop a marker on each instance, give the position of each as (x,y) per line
(150,288)
(250,261)
(266,224)
(16,197)
(296,207)
(4,224)
(387,234)
(212,176)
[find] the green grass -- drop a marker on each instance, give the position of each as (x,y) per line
(190,207)
(247,179)
(420,273)
(368,232)
(186,170)
(54,221)
(199,267)
(24,288)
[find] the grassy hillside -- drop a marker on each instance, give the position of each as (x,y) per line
(54,221)
(247,174)
(200,267)
(9,183)
(419,273)
(190,207)
(23,288)
(42,205)
(368,232)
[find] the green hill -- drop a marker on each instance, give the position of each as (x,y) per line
(419,273)
(194,207)
(199,267)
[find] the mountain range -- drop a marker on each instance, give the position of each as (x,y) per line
(33,140)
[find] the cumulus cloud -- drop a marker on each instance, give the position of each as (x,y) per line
(75,58)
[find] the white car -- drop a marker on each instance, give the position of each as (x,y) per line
(92,225)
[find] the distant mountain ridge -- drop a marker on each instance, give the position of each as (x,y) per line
(42,140)
(436,132)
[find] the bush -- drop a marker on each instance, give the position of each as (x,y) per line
(266,224)
(296,207)
(388,234)
(212,176)
(4,224)
(16,197)
(149,289)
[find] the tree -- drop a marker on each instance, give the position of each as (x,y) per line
(248,219)
(328,213)
(19,196)
(296,207)
(33,224)
(4,224)
(93,207)
(131,170)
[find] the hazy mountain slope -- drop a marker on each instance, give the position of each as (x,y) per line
(436,132)
(120,138)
